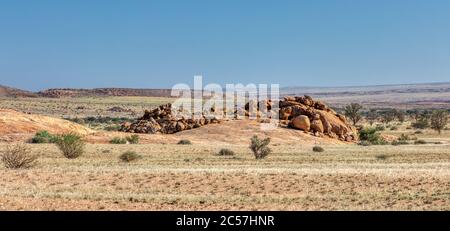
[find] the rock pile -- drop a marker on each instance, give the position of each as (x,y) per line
(316,118)
(161,120)
(313,117)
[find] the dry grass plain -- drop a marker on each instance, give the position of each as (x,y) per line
(192,177)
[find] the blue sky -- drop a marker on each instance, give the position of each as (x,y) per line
(156,44)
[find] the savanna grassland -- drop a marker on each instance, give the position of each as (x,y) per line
(172,177)
(169,176)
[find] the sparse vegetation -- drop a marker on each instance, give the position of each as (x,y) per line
(439,120)
(118,140)
(353,112)
(17,156)
(388,116)
(184,142)
(372,116)
(381,157)
(399,142)
(71,145)
(420,142)
(111,128)
(421,123)
(404,137)
(318,149)
(259,147)
(380,127)
(133,139)
(129,156)
(371,136)
(225,152)
(42,137)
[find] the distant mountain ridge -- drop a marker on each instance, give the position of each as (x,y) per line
(71,92)
(14,92)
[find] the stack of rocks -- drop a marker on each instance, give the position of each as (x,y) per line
(161,120)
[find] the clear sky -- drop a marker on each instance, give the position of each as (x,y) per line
(156,44)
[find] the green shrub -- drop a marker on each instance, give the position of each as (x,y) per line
(114,128)
(43,137)
(118,140)
(129,156)
(318,149)
(259,147)
(380,127)
(71,145)
(184,142)
(420,142)
(225,152)
(372,136)
(133,139)
(17,156)
(422,123)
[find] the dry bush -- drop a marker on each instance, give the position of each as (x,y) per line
(71,145)
(318,149)
(18,156)
(184,142)
(259,147)
(129,156)
(118,140)
(225,152)
(133,139)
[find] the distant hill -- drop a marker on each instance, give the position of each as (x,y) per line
(14,92)
(100,92)
(426,95)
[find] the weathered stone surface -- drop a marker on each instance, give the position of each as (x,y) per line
(317,126)
(301,122)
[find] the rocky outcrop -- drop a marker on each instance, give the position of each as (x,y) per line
(303,113)
(324,121)
(161,120)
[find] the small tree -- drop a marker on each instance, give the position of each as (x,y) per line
(400,115)
(372,116)
(388,116)
(439,120)
(259,147)
(352,112)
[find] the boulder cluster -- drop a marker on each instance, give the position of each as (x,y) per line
(303,113)
(162,120)
(316,118)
